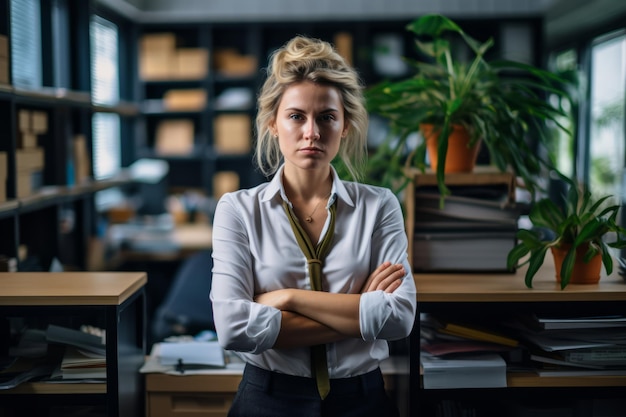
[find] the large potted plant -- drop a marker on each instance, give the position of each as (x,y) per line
(499,103)
(578,232)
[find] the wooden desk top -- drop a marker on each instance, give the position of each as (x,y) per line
(510,287)
(68,288)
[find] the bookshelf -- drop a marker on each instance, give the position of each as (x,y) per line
(114,301)
(47,208)
(494,295)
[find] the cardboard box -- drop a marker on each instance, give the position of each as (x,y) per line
(26,140)
(175,137)
(39,122)
(29,160)
(4,46)
(27,182)
(225,182)
(156,42)
(81,159)
(232,133)
(4,170)
(157,56)
(156,66)
(230,63)
(343,45)
(4,70)
(188,99)
(23,121)
(192,63)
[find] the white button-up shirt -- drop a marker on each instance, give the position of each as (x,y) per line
(255,251)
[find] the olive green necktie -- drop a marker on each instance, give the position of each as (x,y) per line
(315,256)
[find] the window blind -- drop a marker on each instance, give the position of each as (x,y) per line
(105,90)
(26,43)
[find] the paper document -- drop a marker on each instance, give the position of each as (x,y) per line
(208,354)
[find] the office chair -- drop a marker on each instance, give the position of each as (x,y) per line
(186,309)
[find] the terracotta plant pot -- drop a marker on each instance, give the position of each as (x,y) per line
(460,156)
(583,273)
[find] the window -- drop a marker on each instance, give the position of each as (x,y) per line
(26,43)
(565,64)
(606,130)
(105,88)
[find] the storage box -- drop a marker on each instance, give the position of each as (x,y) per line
(27,182)
(188,99)
(225,182)
(3,165)
(26,140)
(157,56)
(156,66)
(4,46)
(81,159)
(4,70)
(39,122)
(28,160)
(23,121)
(232,133)
(230,63)
(343,45)
(158,42)
(175,137)
(191,63)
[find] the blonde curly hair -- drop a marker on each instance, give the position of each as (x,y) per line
(308,59)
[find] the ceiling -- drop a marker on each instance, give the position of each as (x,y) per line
(562,17)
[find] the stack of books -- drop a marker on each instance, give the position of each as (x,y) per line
(458,355)
(84,356)
(575,345)
(469,233)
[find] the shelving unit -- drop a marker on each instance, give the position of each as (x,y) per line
(55,217)
(220,59)
(495,295)
(113,301)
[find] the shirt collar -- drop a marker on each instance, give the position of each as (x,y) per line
(275,187)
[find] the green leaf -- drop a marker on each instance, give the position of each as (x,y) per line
(535,262)
(567,266)
(518,252)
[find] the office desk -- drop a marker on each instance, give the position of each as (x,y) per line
(116,297)
(211,394)
(175,245)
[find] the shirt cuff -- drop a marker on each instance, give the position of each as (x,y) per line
(374,311)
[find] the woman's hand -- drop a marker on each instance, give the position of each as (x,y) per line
(387,277)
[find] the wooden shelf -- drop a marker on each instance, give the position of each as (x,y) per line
(510,287)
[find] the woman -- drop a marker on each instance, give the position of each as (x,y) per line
(311,321)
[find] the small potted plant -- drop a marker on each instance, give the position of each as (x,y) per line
(577,233)
(496,104)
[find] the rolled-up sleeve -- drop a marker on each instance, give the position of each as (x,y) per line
(241,324)
(389,316)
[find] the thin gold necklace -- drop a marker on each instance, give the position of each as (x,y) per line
(309,218)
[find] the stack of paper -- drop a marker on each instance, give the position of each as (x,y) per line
(82,364)
(467,234)
(575,345)
(487,370)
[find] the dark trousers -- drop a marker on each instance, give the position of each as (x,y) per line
(264,393)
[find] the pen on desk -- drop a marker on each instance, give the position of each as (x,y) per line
(180,366)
